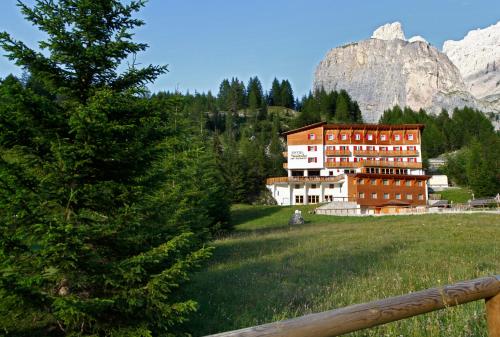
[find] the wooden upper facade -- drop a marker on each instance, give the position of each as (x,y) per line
(361,134)
(377,190)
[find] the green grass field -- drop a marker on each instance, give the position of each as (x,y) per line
(266,271)
(457,195)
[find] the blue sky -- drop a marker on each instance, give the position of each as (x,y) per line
(206,41)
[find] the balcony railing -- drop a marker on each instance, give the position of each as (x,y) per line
(341,164)
(274,180)
(383,163)
(366,153)
(373,153)
(392,153)
(370,163)
(337,152)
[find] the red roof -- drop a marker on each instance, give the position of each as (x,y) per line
(307,127)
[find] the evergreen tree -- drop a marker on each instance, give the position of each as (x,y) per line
(223,96)
(237,95)
(275,93)
(255,95)
(481,174)
(93,240)
(342,108)
(276,158)
(287,99)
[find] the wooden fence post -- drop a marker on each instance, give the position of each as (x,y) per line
(493,315)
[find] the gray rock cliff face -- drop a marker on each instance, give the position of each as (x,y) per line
(382,72)
(477,56)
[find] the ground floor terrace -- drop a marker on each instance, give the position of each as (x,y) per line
(357,192)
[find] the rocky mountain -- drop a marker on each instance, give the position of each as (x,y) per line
(388,69)
(477,56)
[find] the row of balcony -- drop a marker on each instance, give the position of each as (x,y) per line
(331,179)
(371,163)
(368,153)
(373,153)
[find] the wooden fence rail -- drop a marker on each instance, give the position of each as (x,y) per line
(361,316)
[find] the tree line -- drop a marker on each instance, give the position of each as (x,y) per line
(245,123)
(467,139)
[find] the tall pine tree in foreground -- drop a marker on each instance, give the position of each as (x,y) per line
(86,247)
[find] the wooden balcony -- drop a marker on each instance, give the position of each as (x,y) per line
(341,164)
(285,154)
(314,179)
(341,153)
(399,164)
(406,153)
(366,153)
(372,153)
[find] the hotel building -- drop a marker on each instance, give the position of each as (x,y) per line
(374,168)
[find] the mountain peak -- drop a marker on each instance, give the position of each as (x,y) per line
(389,31)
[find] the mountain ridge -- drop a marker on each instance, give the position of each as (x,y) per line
(388,70)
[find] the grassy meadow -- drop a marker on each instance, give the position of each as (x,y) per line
(457,195)
(266,271)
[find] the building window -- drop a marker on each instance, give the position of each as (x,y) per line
(313,173)
(409,196)
(330,173)
(299,199)
(357,136)
(311,136)
(312,148)
(297,186)
(385,182)
(374,181)
(398,182)
(343,137)
(420,183)
(314,186)
(330,148)
(374,195)
(361,195)
(361,181)
(331,186)
(313,199)
(331,137)
(383,138)
(410,136)
(312,160)
(397,137)
(369,136)
(411,148)
(420,197)
(386,195)
(398,196)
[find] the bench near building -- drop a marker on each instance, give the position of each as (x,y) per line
(363,168)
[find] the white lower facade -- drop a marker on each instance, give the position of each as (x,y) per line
(296,191)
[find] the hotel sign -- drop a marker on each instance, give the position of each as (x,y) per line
(298,155)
